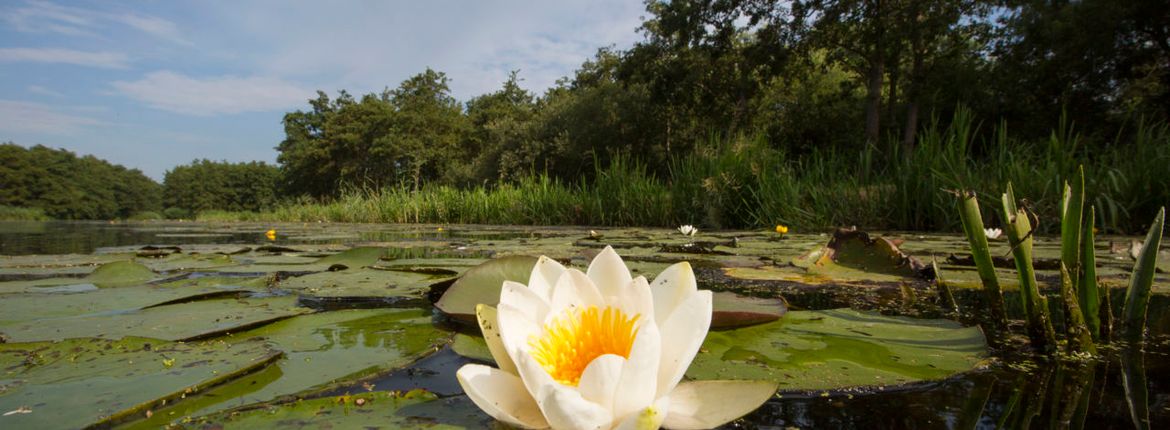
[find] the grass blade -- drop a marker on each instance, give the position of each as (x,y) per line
(1137,298)
(1089,295)
(972,221)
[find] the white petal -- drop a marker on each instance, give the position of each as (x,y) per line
(707,404)
(544,275)
(609,272)
(634,299)
(671,288)
(573,290)
(489,325)
(515,330)
(536,379)
(525,300)
(564,408)
(501,395)
(682,335)
(600,379)
(649,418)
(639,382)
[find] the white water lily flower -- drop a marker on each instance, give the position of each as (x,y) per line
(687,230)
(602,350)
(992,233)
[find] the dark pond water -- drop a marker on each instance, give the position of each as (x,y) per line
(1120,390)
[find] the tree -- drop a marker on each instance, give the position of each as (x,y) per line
(427,125)
(205,185)
(70,187)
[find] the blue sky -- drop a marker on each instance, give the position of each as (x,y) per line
(155,84)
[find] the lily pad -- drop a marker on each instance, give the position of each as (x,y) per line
(113,274)
(183,321)
(850,252)
(329,347)
(94,382)
(415,409)
(354,258)
(731,310)
(363,285)
(840,348)
(473,347)
(174,262)
(17,308)
(482,284)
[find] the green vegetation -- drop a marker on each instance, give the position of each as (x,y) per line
(12,213)
(206,185)
(64,186)
(742,182)
(732,114)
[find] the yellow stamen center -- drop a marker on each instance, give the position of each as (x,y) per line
(571,341)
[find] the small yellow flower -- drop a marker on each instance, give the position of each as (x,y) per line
(781,228)
(270,234)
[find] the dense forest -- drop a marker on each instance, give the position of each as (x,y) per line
(740,113)
(219,185)
(65,186)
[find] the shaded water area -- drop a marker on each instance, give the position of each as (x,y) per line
(216,324)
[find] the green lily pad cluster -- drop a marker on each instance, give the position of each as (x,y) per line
(306,334)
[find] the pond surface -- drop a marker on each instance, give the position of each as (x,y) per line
(199,325)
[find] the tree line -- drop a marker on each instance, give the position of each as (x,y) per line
(815,80)
(810,76)
(66,186)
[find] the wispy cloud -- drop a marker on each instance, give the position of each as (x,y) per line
(27,117)
(179,93)
(47,17)
(152,25)
(37,89)
(109,60)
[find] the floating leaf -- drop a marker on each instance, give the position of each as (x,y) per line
(362,285)
(113,274)
(172,322)
(473,347)
(416,409)
(321,349)
(854,251)
(833,349)
(482,284)
(354,258)
(16,308)
(78,383)
(731,310)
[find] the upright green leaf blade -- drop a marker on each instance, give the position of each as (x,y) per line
(1137,298)
(1088,294)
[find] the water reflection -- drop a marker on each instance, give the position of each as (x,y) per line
(1110,393)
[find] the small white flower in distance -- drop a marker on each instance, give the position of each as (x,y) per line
(992,233)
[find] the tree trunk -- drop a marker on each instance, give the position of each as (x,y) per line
(873,99)
(913,93)
(895,76)
(877,70)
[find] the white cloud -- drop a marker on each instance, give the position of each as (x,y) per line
(179,93)
(364,49)
(152,25)
(37,89)
(47,17)
(109,60)
(26,117)
(42,17)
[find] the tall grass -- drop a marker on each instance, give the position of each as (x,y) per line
(743,183)
(12,213)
